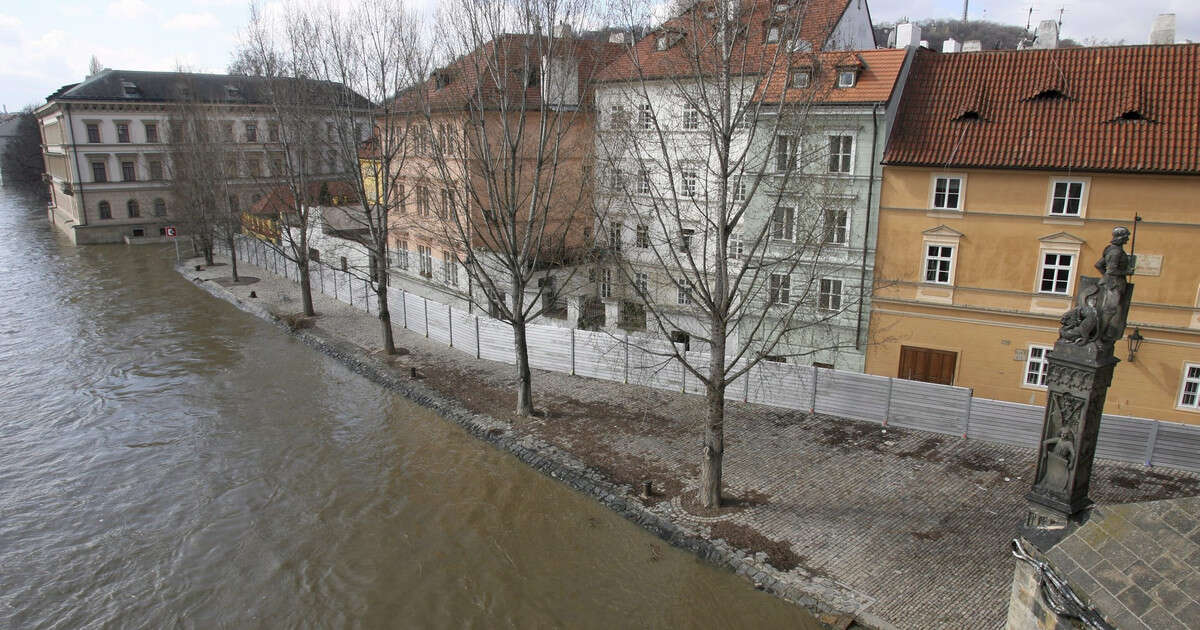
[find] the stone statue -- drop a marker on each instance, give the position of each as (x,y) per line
(1099,315)
(1058,457)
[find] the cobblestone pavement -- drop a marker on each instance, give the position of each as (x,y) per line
(913,526)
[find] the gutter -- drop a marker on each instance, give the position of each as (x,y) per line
(81,220)
(862,269)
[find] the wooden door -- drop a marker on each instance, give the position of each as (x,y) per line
(927,364)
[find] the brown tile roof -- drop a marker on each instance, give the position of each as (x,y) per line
(469,80)
(817,21)
(1073,108)
(280,200)
(878,73)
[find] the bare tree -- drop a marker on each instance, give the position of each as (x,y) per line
(506,131)
(716,173)
(22,161)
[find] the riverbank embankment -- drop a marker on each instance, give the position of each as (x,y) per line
(899,528)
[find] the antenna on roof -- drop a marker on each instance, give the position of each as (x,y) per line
(1029,18)
(1061,10)
(965,3)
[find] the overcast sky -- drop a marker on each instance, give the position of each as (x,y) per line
(47,43)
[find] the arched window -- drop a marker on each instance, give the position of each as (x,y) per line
(105,210)
(134,210)
(160,207)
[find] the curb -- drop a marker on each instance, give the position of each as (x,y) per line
(555,463)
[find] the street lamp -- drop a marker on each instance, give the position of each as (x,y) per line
(1135,341)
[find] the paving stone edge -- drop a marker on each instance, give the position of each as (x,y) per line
(553,462)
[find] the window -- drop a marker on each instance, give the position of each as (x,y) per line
(829,297)
(684,296)
(251,132)
(1189,396)
(772,34)
(254,166)
(781,288)
(227,131)
(132,207)
(614,237)
(128,171)
(643,182)
(447,204)
(98,172)
(1067,199)
(641,281)
(947,192)
(605,283)
(345,264)
(449,269)
(642,240)
(123,132)
(938,259)
(801,78)
(1056,273)
(691,116)
(687,183)
(423,201)
(785,153)
(105,210)
(160,207)
(273,132)
(782,223)
(151,132)
(156,169)
(737,246)
(1036,365)
(314,254)
(837,227)
(425,260)
(616,177)
(685,239)
(841,149)
(645,117)
(618,117)
(847,78)
(739,190)
(401,255)
(93,132)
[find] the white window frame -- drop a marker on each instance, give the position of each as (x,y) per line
(1189,379)
(843,228)
(691,117)
(425,260)
(605,283)
(689,180)
(641,281)
(402,254)
(801,79)
(1042,361)
(788,224)
(736,248)
(1086,184)
(614,236)
(685,287)
(643,186)
(790,151)
(779,291)
(687,237)
(829,294)
(933,191)
(847,157)
(926,257)
(740,190)
(1057,267)
(642,237)
(449,269)
(842,81)
(645,117)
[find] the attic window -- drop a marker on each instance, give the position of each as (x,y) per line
(801,78)
(130,89)
(667,40)
(780,7)
(968,115)
(1133,115)
(847,78)
(1049,94)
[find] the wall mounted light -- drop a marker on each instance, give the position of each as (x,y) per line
(1135,341)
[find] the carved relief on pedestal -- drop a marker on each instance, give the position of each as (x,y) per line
(1068,378)
(1060,451)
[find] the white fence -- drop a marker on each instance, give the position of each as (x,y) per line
(888,401)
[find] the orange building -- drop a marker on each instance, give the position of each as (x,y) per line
(1002,183)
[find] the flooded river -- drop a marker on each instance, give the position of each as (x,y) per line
(168,461)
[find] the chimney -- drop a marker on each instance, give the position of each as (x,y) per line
(924,43)
(951,46)
(1163,31)
(972,45)
(1047,35)
(562,30)
(616,38)
(908,35)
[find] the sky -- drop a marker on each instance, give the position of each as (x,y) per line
(45,44)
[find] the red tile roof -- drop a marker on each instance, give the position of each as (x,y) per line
(817,19)
(878,73)
(1063,109)
(472,79)
(279,200)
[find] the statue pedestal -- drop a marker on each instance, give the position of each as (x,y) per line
(1077,380)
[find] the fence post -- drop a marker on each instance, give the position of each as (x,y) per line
(746,386)
(349,288)
(477,352)
(366,295)
(887,410)
(450,323)
(812,407)
(1150,443)
(682,377)
(321,278)
(572,329)
(335,291)
(967,419)
(626,358)
(426,300)
(404,306)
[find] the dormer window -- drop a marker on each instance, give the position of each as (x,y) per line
(801,78)
(781,7)
(1048,94)
(130,89)
(441,79)
(772,35)
(1132,114)
(967,116)
(233,91)
(847,78)
(667,40)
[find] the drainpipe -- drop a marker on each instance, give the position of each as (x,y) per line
(82,218)
(862,270)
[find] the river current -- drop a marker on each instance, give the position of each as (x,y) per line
(169,461)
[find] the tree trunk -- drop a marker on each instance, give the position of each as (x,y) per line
(208,254)
(385,317)
(233,259)
(714,448)
(306,290)
(525,386)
